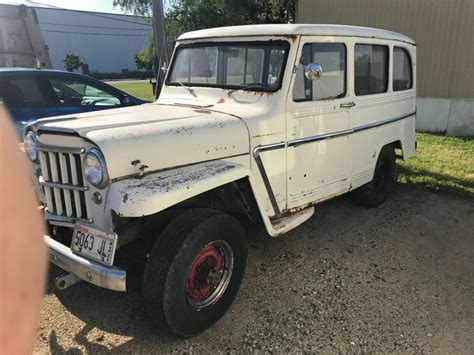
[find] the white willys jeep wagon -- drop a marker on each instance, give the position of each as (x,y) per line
(255,126)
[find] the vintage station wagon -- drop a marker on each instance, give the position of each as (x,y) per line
(255,125)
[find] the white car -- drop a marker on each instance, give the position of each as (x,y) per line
(255,124)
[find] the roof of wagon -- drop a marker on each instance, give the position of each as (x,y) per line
(296,29)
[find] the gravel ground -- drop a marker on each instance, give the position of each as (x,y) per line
(399,278)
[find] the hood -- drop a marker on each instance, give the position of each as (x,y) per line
(155,136)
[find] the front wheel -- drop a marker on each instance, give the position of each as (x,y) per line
(375,192)
(194,271)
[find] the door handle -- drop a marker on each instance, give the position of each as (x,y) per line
(348,104)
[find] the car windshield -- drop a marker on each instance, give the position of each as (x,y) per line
(249,65)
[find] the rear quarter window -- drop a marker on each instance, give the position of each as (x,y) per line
(402,70)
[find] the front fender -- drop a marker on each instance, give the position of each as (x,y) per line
(152,193)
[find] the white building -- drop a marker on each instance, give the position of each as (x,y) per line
(106,42)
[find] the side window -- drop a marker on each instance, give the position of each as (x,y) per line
(332,84)
(74,92)
(402,70)
(21,92)
(370,69)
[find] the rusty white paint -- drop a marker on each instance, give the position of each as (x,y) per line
(136,197)
(162,153)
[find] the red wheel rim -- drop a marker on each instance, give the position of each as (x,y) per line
(209,274)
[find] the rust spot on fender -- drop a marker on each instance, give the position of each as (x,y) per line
(141,189)
(221,101)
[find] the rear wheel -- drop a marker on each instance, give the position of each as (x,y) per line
(375,192)
(194,271)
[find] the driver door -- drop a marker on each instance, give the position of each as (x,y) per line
(318,154)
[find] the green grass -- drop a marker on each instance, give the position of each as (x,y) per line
(441,164)
(142,90)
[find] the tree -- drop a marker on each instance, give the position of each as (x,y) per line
(214,13)
(144,58)
(189,15)
(72,62)
(138,7)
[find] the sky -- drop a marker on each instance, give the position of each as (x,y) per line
(89,5)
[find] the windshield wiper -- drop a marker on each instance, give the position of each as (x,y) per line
(191,90)
(260,85)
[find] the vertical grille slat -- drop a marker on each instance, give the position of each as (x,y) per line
(75,181)
(60,171)
(65,180)
(55,178)
(47,190)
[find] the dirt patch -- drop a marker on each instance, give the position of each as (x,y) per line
(396,278)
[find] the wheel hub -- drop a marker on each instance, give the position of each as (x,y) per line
(205,273)
(209,274)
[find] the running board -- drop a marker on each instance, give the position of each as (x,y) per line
(286,224)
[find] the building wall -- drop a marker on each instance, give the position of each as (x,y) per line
(444,32)
(106,42)
(21,40)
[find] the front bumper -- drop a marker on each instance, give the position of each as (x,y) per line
(111,278)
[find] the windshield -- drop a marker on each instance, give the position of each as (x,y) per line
(253,65)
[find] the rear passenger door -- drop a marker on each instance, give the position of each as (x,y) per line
(318,155)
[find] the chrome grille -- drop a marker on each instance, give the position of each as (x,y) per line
(62,182)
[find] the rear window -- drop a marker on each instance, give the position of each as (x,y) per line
(370,69)
(402,70)
(21,92)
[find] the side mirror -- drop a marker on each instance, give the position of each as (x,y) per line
(313,71)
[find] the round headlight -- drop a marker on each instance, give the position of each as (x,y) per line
(29,145)
(95,169)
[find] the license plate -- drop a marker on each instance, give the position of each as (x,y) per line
(94,244)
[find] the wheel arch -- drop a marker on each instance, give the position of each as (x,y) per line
(219,185)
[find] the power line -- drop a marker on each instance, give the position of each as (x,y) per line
(99,34)
(109,28)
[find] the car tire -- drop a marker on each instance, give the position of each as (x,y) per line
(194,271)
(376,192)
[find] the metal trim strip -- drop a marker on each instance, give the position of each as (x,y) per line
(263,173)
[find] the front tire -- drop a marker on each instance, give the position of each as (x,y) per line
(376,192)
(194,271)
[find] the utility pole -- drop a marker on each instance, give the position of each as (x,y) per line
(161,44)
